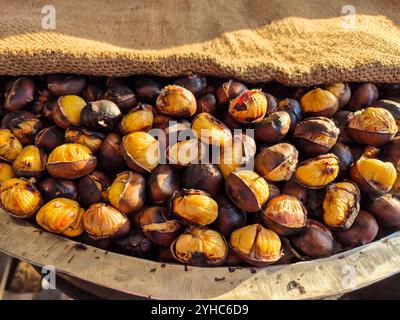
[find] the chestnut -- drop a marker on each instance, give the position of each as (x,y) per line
(147,89)
(277,163)
(121,94)
(70,161)
(319,102)
(185,153)
(316,135)
(229,217)
(229,91)
(248,108)
(210,130)
(164,254)
(19,92)
(272,103)
(10,147)
(141,151)
(200,247)
(363,96)
(386,210)
(256,245)
(6,172)
(341,91)
(373,175)
(203,176)
(160,121)
(341,119)
(272,128)
(195,207)
(51,188)
(372,126)
(341,205)
(194,83)
(227,119)
(291,188)
(62,85)
(206,103)
(293,108)
(67,111)
(396,187)
(392,106)
(135,244)
(94,89)
(139,118)
(233,260)
(247,190)
(317,172)
(93,188)
(101,115)
(127,192)
(314,240)
(86,137)
(391,152)
(49,138)
(103,221)
(344,155)
(162,183)
(61,215)
(30,162)
(110,158)
(22,124)
(158,227)
(363,230)
(285,215)
(43,103)
(176,101)
(273,190)
(20,197)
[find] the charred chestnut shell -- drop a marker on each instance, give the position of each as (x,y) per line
(19,92)
(293,108)
(49,138)
(101,115)
(86,137)
(51,188)
(135,244)
(22,124)
(120,93)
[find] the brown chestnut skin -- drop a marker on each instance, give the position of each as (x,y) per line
(94,89)
(62,85)
(164,254)
(272,128)
(206,103)
(391,152)
(272,103)
(386,210)
(43,102)
(22,124)
(230,122)
(291,188)
(345,157)
(194,83)
(203,176)
(363,230)
(293,108)
(233,260)
(19,92)
(52,188)
(147,89)
(109,156)
(341,119)
(135,244)
(229,217)
(363,96)
(92,188)
(101,115)
(156,224)
(121,94)
(228,91)
(314,240)
(49,138)
(162,183)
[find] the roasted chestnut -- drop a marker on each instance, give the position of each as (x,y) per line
(67,111)
(19,92)
(86,137)
(70,161)
(61,215)
(341,119)
(316,135)
(227,119)
(363,230)
(101,115)
(391,152)
(272,103)
(344,155)
(103,221)
(176,101)
(206,103)
(147,89)
(185,153)
(135,244)
(229,217)
(20,197)
(373,175)
(51,188)
(94,89)
(291,188)
(139,118)
(210,130)
(93,188)
(62,85)
(386,210)
(158,227)
(319,102)
(248,108)
(229,91)
(247,190)
(10,147)
(141,151)
(49,138)
(203,176)
(277,163)
(122,95)
(341,91)
(314,240)
(341,205)
(390,105)
(194,83)
(372,126)
(317,172)
(200,247)
(363,96)
(272,128)
(293,108)
(30,162)
(162,183)
(285,215)
(127,192)
(110,158)
(6,172)
(22,124)
(256,245)
(193,206)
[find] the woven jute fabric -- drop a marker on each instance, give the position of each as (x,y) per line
(295,42)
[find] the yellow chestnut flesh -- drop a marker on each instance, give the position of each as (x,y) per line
(210,130)
(10,147)
(176,101)
(186,152)
(68,111)
(319,102)
(138,119)
(249,107)
(6,172)
(30,162)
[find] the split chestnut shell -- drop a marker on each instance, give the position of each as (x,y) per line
(10,147)
(30,162)
(250,107)
(176,101)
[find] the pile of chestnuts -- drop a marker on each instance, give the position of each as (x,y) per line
(202,171)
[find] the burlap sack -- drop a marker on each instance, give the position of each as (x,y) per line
(292,41)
